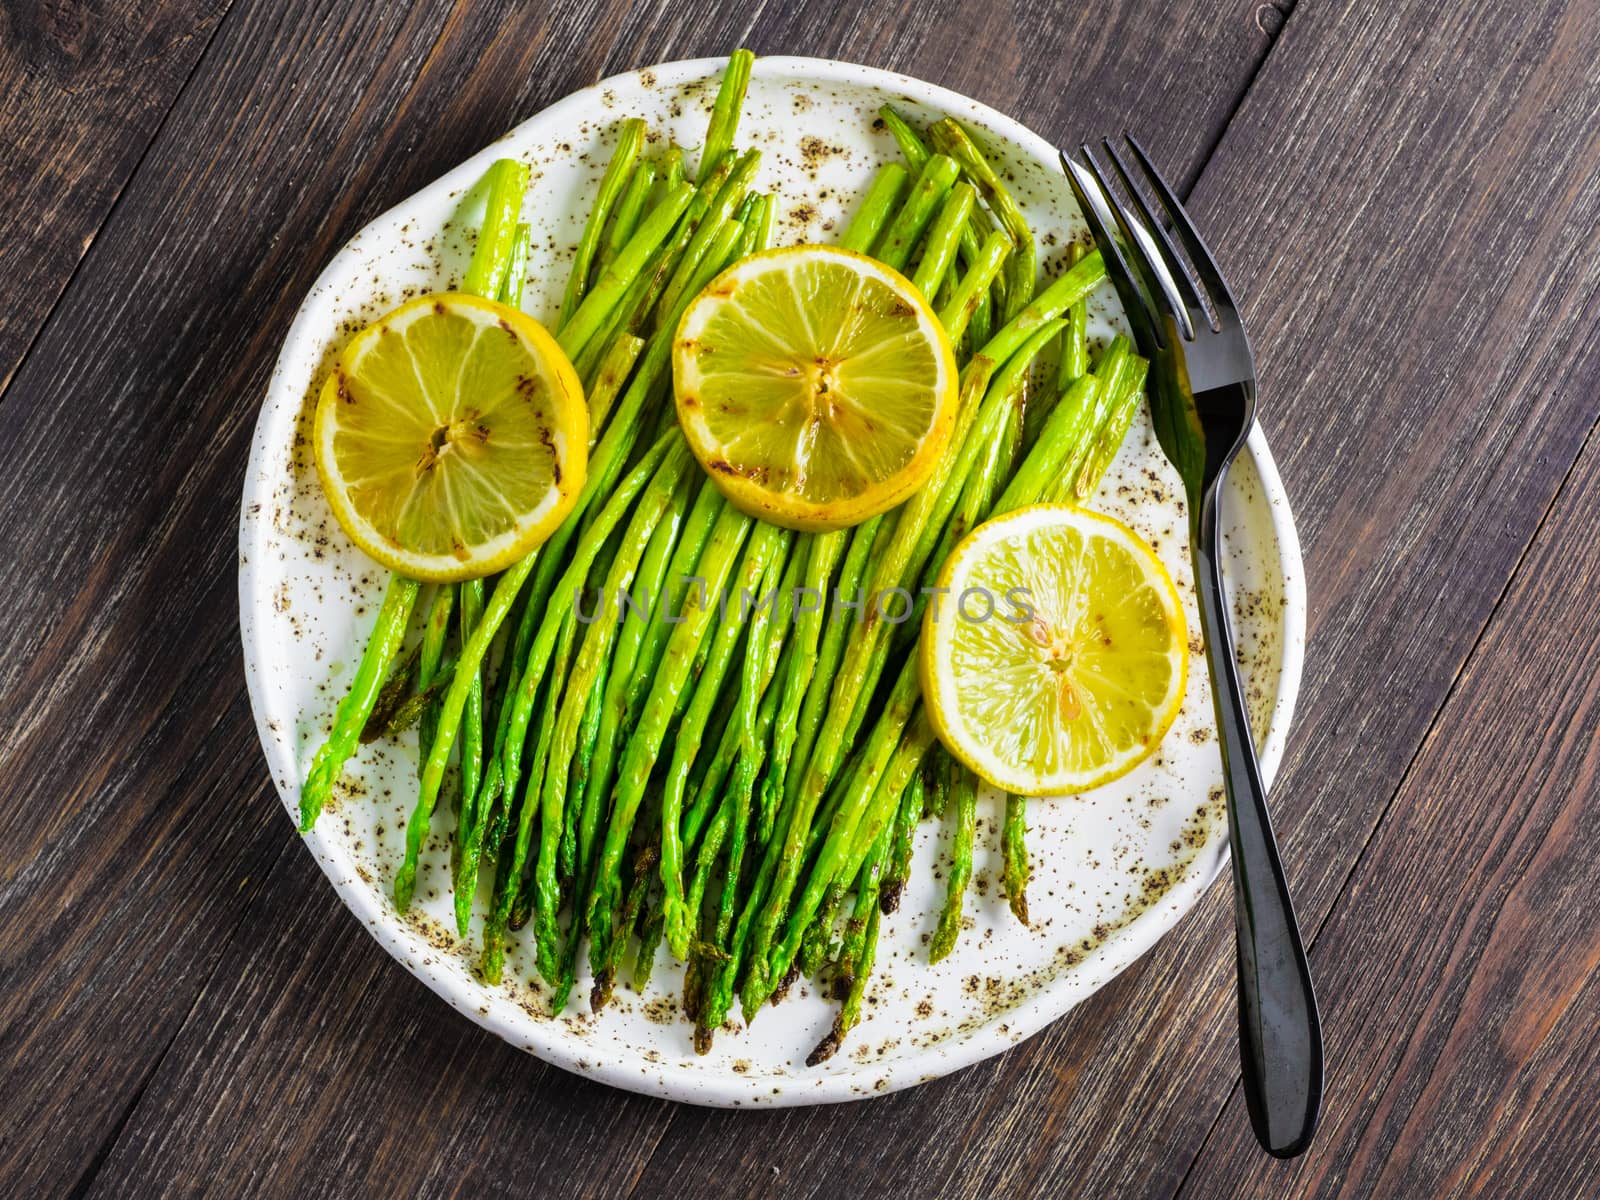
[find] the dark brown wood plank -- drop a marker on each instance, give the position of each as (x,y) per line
(1407,203)
(121,704)
(1461,971)
(85,89)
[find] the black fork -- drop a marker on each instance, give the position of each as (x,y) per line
(1203,403)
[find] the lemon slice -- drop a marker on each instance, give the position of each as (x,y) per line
(1057,660)
(815,385)
(451,437)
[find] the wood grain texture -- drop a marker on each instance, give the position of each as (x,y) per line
(121,701)
(1419,261)
(1464,958)
(85,88)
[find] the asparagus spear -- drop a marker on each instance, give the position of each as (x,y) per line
(497,237)
(517,271)
(434,632)
(472,597)
(411,709)
(395,692)
(725,111)
(936,785)
(630,141)
(969,292)
(645,960)
(351,715)
(818,947)
(898,870)
(868,889)
(944,238)
(625,221)
(1015,853)
(612,374)
(860,955)
(753,214)
(764,224)
(1074,362)
(1122,406)
(877,207)
(643,875)
(911,145)
(672,172)
(965,792)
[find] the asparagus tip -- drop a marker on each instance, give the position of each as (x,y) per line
(889,898)
(828,1046)
(702,1039)
(600,994)
(559,998)
(788,982)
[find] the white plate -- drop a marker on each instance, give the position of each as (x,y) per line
(1113,870)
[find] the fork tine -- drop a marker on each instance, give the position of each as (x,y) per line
(1204,263)
(1134,304)
(1170,258)
(1157,279)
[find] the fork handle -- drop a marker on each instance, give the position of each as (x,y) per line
(1280,1036)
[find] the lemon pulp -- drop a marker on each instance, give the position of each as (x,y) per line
(1058,658)
(451,437)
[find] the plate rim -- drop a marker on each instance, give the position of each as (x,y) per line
(406,945)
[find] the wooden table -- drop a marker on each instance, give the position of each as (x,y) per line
(1407,196)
